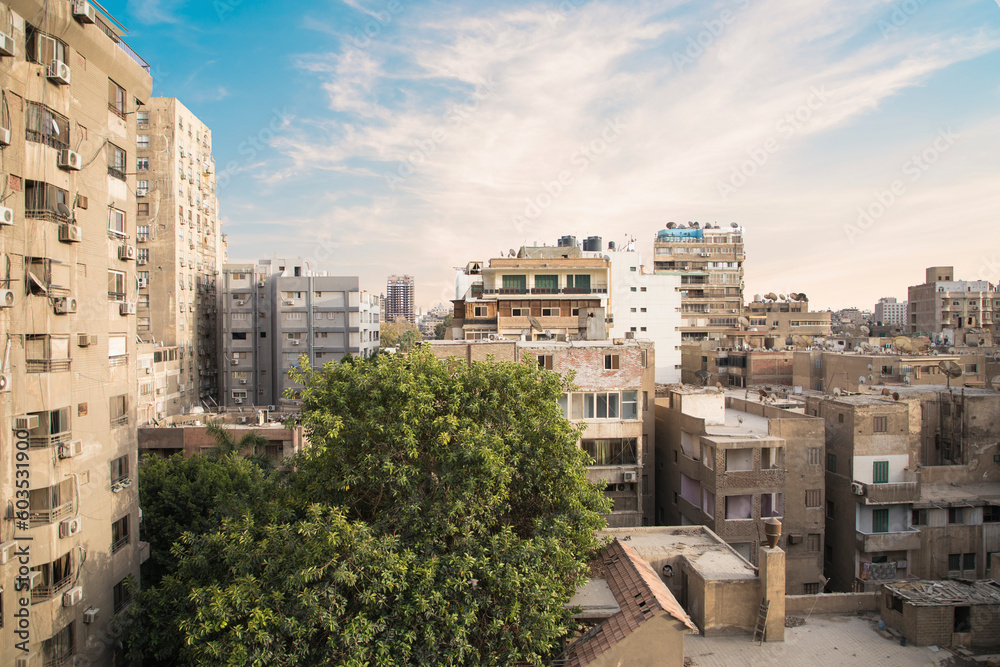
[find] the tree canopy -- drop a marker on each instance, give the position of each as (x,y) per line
(401,334)
(441,516)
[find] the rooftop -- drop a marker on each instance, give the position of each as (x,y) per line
(707,552)
(960,495)
(947,592)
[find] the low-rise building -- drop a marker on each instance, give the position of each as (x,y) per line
(191,437)
(944,613)
(734,367)
(944,305)
(824,370)
(774,320)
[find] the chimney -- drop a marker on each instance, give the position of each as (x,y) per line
(772,581)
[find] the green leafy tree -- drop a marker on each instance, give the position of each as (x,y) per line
(401,334)
(442,327)
(251,445)
(443,516)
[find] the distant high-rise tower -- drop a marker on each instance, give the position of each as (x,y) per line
(399,299)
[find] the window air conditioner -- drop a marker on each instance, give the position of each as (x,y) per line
(238,401)
(7,550)
(126,252)
(141,192)
(73,596)
(6,298)
(6,46)
(126,308)
(70,527)
(243,381)
(83,11)
(26,423)
(858,488)
(629,477)
(4,136)
(70,449)
(90,615)
(6,380)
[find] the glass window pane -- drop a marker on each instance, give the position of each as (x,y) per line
(588,406)
(613,411)
(602,406)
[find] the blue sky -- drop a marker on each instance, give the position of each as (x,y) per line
(855,140)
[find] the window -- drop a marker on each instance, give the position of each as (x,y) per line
(119,534)
(116,99)
(122,596)
(118,410)
(142,117)
(630,405)
(810,589)
(739,507)
(813,454)
(611,362)
(44,48)
(550,312)
(116,162)
(954,562)
(141,188)
(991,514)
(116,222)
(480,311)
(880,472)
(880,424)
(45,126)
(829,509)
(143,280)
(545,361)
(831,462)
(42,200)
(116,286)
(880,521)
(840,418)
(956,515)
(546,284)
(611,451)
(814,498)
(918,517)
(969,561)
(578,284)
(812,542)
(514,285)
(143,209)
(119,469)
(239,335)
(45,353)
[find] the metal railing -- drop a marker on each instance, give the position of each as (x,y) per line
(119,360)
(46,139)
(106,29)
(119,421)
(117,545)
(40,517)
(47,365)
(117,173)
(37,441)
(42,593)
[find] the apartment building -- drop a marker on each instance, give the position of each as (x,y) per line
(180,248)
(823,370)
(613,401)
(735,367)
(542,293)
(277,310)
(709,261)
(71,89)
(890,312)
(946,308)
(913,485)
(647,306)
(400,299)
(774,321)
(731,463)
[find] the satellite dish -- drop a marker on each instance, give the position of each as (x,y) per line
(734,225)
(783,297)
(802,297)
(704,376)
(861,380)
(512,252)
(607,258)
(886,392)
(871,378)
(671,225)
(921,343)
(870,367)
(867,347)
(802,341)
(865,331)
(995,383)
(63,210)
(743,322)
(904,344)
(535,324)
(836,391)
(771,296)
(951,369)
(906,379)
(895,395)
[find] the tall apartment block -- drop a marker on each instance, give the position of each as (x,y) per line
(948,309)
(709,261)
(71,89)
(276,310)
(731,464)
(399,299)
(179,253)
(890,312)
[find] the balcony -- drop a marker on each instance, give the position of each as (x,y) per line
(547,291)
(43,593)
(47,365)
(892,494)
(51,440)
(42,517)
(902,540)
(106,29)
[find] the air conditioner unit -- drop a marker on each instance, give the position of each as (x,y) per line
(90,615)
(902,563)
(70,233)
(69,160)
(143,283)
(289,302)
(86,340)
(73,596)
(29,659)
(296,342)
(243,381)
(238,401)
(149,371)
(26,423)
(6,381)
(34,579)
(7,550)
(629,477)
(126,308)
(260,284)
(63,305)
(141,192)
(236,362)
(4,136)
(83,11)
(6,216)
(68,450)
(70,527)
(126,252)
(858,488)
(794,538)
(6,46)
(6,298)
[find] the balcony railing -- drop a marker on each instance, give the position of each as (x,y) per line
(47,365)
(106,29)
(41,517)
(47,139)
(119,421)
(117,173)
(899,540)
(43,593)
(892,494)
(547,290)
(49,440)
(119,544)
(119,360)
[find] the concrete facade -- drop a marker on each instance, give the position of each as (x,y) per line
(734,367)
(772,322)
(68,387)
(730,464)
(944,303)
(709,262)
(192,438)
(180,248)
(613,401)
(275,311)
(400,299)
(823,370)
(944,613)
(890,312)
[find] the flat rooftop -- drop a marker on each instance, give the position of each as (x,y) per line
(707,552)
(959,494)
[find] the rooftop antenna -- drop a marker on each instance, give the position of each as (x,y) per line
(951,369)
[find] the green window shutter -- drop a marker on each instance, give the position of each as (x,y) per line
(880,474)
(515,282)
(880,521)
(547,283)
(583,282)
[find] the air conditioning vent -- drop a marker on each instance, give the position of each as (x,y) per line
(26,423)
(243,381)
(238,401)
(858,488)
(6,298)
(126,252)
(236,362)
(70,233)
(126,308)
(86,340)
(70,527)
(83,11)
(7,550)
(68,450)
(73,596)
(69,160)
(63,305)
(6,46)
(6,216)
(4,136)
(141,192)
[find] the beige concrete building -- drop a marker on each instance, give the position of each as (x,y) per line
(774,321)
(70,538)
(277,310)
(159,378)
(733,367)
(945,308)
(190,437)
(823,370)
(730,463)
(709,260)
(615,389)
(180,248)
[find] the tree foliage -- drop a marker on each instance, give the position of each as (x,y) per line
(400,334)
(441,516)
(442,327)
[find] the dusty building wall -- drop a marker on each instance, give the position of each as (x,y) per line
(658,642)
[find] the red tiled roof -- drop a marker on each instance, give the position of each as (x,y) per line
(640,594)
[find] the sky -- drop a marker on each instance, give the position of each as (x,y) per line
(856,141)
